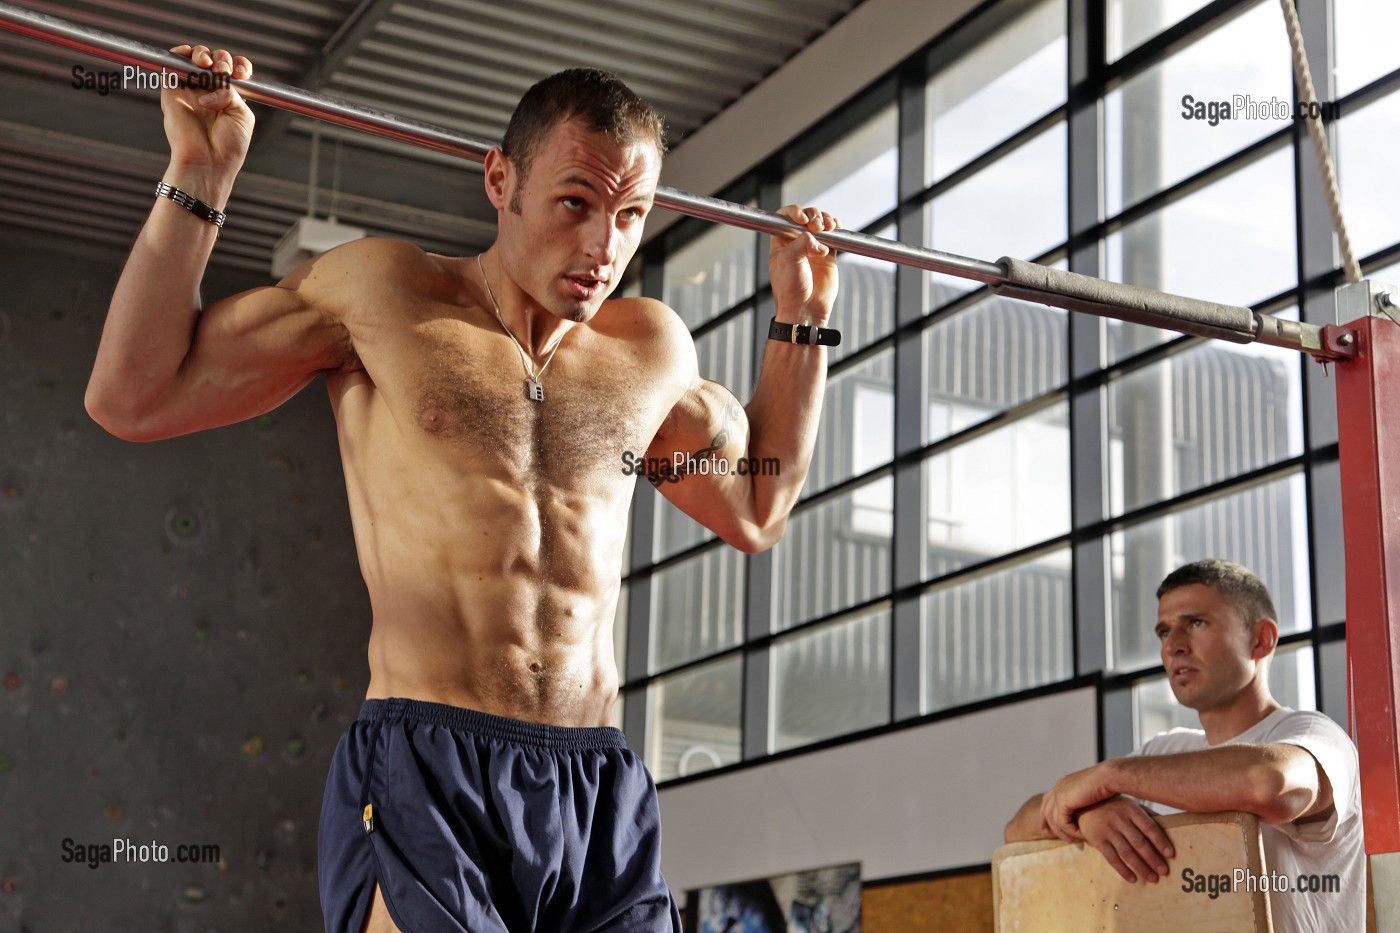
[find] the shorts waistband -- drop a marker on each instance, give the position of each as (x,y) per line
(488,726)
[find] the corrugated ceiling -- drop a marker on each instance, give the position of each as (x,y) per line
(83,165)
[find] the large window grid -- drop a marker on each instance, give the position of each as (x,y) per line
(1051,600)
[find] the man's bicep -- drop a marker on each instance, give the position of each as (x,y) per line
(1332,760)
(273,333)
(250,353)
(694,461)
(1307,763)
(707,422)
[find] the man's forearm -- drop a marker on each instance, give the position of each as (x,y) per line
(1276,783)
(783,416)
(1027,824)
(151,321)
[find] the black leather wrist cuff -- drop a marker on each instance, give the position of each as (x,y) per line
(804,334)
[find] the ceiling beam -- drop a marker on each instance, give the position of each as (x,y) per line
(343,43)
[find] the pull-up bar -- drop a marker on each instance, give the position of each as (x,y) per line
(1007,276)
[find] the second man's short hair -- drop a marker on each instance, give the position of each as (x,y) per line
(1237,584)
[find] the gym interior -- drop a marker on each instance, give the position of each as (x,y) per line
(961,609)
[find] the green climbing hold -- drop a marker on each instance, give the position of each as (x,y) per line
(185,524)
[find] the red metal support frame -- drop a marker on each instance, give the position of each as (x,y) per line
(1368,421)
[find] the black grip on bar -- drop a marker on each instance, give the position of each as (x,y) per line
(1074,292)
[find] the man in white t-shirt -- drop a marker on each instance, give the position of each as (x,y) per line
(1295,770)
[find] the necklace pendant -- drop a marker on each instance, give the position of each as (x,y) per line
(534,390)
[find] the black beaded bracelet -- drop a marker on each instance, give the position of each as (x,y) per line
(191,203)
(804,334)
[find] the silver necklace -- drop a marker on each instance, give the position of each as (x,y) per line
(533,389)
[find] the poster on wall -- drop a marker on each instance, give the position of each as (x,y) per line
(822,900)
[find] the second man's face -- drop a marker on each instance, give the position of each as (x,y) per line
(1207,649)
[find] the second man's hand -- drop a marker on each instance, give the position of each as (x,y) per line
(1060,805)
(1128,837)
(1085,806)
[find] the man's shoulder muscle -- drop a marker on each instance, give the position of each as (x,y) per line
(643,318)
(652,329)
(364,283)
(365,273)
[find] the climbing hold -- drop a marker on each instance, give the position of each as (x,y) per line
(184,524)
(253,746)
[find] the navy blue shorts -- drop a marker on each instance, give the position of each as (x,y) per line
(488,825)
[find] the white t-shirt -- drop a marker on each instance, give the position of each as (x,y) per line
(1321,864)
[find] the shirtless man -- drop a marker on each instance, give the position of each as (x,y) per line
(481,789)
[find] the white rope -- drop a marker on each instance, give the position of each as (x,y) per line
(1307,95)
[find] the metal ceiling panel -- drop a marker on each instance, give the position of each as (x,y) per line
(459,63)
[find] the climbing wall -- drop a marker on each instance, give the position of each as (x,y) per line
(182,637)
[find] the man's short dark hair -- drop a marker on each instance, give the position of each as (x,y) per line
(1238,585)
(596,97)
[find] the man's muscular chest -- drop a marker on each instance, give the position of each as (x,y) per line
(467,393)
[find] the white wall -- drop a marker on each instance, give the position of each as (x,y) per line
(862,47)
(917,800)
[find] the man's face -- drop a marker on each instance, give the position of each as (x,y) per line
(579,221)
(1208,651)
